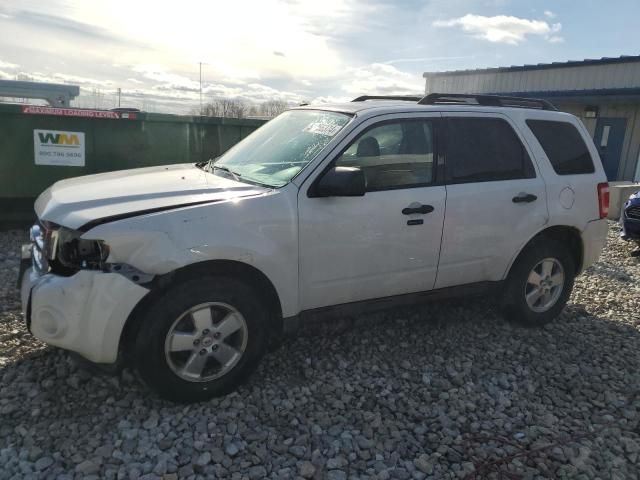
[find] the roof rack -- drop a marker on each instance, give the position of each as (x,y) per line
(408,98)
(485,100)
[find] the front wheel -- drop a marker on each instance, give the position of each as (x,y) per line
(540,283)
(201,338)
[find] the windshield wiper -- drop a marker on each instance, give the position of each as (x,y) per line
(211,166)
(208,164)
(236,176)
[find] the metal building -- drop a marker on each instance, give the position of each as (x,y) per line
(57,95)
(604,94)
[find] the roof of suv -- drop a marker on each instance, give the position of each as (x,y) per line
(379,104)
(377,107)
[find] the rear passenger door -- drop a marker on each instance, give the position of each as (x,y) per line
(496,199)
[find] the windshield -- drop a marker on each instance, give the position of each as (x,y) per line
(277,151)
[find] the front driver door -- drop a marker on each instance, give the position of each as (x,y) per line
(358,248)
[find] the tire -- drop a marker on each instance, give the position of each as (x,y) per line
(231,330)
(551,300)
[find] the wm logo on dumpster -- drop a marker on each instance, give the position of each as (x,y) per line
(58,138)
(54,147)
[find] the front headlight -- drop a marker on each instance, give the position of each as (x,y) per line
(74,253)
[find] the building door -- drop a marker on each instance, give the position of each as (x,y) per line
(609,138)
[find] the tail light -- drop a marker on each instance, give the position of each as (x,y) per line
(603,199)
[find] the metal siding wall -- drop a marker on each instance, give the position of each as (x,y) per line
(621,75)
(541,79)
(627,76)
(519,81)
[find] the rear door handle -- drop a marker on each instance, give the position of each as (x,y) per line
(423,209)
(524,198)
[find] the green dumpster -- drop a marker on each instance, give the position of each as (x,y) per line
(41,145)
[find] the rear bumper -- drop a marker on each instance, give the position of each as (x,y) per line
(594,239)
(84,313)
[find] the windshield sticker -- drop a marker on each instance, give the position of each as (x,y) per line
(321,128)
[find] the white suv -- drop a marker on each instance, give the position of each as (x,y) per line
(189,271)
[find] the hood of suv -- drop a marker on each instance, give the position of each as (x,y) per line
(76,202)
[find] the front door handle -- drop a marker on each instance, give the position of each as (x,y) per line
(524,198)
(423,209)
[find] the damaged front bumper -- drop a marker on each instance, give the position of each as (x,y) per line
(85,312)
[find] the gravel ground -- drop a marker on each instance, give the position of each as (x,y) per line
(445,391)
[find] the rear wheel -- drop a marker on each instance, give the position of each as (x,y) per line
(540,283)
(201,339)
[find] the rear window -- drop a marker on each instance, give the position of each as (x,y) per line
(563,145)
(484,150)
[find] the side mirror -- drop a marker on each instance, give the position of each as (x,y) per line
(341,182)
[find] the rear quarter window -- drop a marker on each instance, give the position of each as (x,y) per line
(563,145)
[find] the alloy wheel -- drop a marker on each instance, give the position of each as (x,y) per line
(206,342)
(544,285)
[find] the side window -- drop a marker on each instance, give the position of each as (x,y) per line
(484,150)
(563,145)
(396,154)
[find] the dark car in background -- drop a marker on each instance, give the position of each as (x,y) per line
(630,219)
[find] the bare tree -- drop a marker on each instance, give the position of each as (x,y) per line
(254,111)
(237,108)
(271,108)
(226,107)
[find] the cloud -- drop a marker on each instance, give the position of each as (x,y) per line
(290,49)
(426,59)
(10,66)
(549,14)
(381,79)
(502,28)
(84,81)
(235,45)
(329,50)
(166,80)
(329,99)
(65,26)
(158,88)
(4,12)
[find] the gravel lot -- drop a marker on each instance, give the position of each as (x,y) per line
(444,391)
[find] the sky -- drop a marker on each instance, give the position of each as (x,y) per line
(295,50)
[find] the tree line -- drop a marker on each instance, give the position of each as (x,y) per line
(238,108)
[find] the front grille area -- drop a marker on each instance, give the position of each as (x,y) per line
(633,212)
